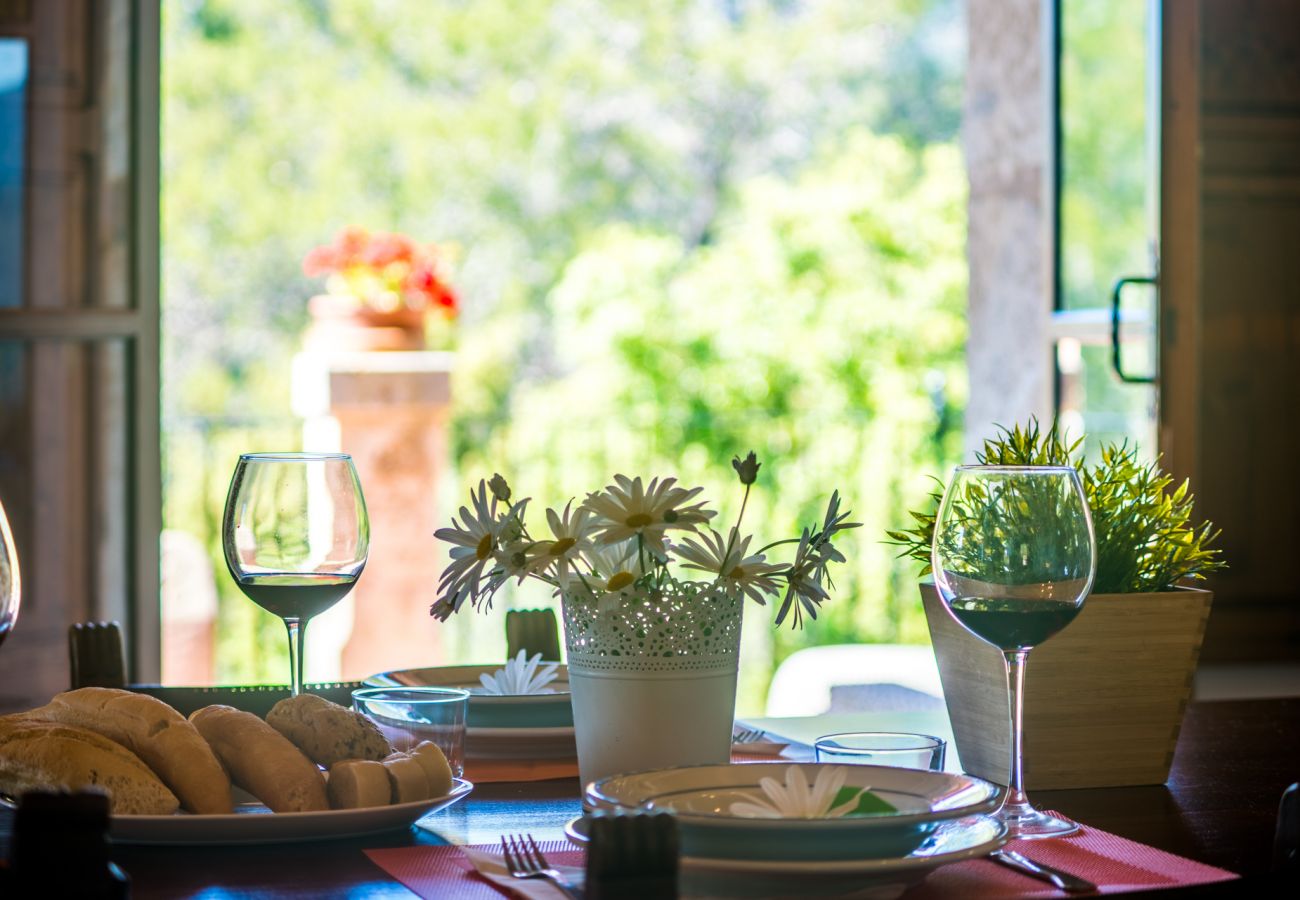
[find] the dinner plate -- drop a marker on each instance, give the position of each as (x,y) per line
(520,743)
(970,837)
(253,823)
(548,710)
(700,798)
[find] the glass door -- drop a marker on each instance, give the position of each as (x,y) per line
(1107,207)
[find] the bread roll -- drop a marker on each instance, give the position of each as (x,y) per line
(406,778)
(431,758)
(327,732)
(357,783)
(261,760)
(37,754)
(153,731)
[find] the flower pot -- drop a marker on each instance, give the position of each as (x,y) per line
(341,324)
(1104,699)
(653,683)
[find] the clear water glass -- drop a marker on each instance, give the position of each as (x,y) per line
(882,748)
(410,715)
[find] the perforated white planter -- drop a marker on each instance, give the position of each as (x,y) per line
(653,684)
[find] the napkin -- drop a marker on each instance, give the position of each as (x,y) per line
(474,873)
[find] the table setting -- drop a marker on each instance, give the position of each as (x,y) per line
(625,762)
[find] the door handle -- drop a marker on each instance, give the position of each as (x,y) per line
(1115,359)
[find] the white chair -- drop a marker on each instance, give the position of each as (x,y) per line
(855,677)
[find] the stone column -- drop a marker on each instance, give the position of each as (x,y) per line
(390,411)
(1007,138)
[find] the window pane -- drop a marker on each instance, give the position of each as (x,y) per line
(1107,210)
(13,154)
(65,487)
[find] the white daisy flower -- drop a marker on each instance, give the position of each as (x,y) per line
(748,574)
(573,536)
(615,569)
(627,510)
(795,799)
(474,548)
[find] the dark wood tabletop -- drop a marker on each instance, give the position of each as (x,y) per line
(1234,760)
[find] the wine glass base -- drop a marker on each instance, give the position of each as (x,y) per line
(1029,823)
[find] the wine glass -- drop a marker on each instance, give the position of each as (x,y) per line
(11,583)
(1014,558)
(295,535)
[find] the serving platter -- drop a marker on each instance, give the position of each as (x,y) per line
(700,797)
(253,823)
(546,710)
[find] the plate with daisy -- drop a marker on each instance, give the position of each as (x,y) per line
(798,812)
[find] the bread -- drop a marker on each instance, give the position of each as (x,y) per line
(406,778)
(357,783)
(153,731)
(261,760)
(38,754)
(434,762)
(327,732)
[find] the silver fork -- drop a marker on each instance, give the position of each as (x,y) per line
(747,736)
(525,859)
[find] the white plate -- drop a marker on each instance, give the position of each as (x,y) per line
(971,837)
(546,710)
(700,798)
(255,824)
(520,743)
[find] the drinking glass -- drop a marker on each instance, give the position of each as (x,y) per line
(1014,558)
(882,748)
(295,535)
(11,583)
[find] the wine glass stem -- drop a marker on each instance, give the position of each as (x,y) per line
(1015,800)
(297,631)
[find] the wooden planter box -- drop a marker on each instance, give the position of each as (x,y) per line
(1104,699)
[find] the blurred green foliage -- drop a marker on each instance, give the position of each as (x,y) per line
(687,229)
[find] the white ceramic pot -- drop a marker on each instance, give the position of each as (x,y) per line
(653,683)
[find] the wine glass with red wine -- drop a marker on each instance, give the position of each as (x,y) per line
(11,583)
(296,536)
(1014,558)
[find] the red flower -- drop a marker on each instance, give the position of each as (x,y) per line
(386,249)
(320,261)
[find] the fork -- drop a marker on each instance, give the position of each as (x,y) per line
(748,736)
(525,859)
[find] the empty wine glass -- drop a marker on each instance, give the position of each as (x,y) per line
(1014,558)
(11,583)
(295,535)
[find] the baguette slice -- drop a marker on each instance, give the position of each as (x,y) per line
(261,760)
(35,754)
(434,762)
(358,783)
(153,731)
(406,778)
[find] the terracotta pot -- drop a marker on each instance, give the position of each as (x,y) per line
(1104,699)
(339,324)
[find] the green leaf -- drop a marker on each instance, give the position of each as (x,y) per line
(869,804)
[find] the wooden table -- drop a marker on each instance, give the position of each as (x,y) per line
(1234,760)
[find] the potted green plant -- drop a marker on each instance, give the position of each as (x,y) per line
(1106,700)
(652,600)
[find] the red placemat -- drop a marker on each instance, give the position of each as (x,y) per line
(1115,864)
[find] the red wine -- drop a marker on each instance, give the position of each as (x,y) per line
(1013,624)
(292,596)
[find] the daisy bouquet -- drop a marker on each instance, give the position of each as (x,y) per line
(633,542)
